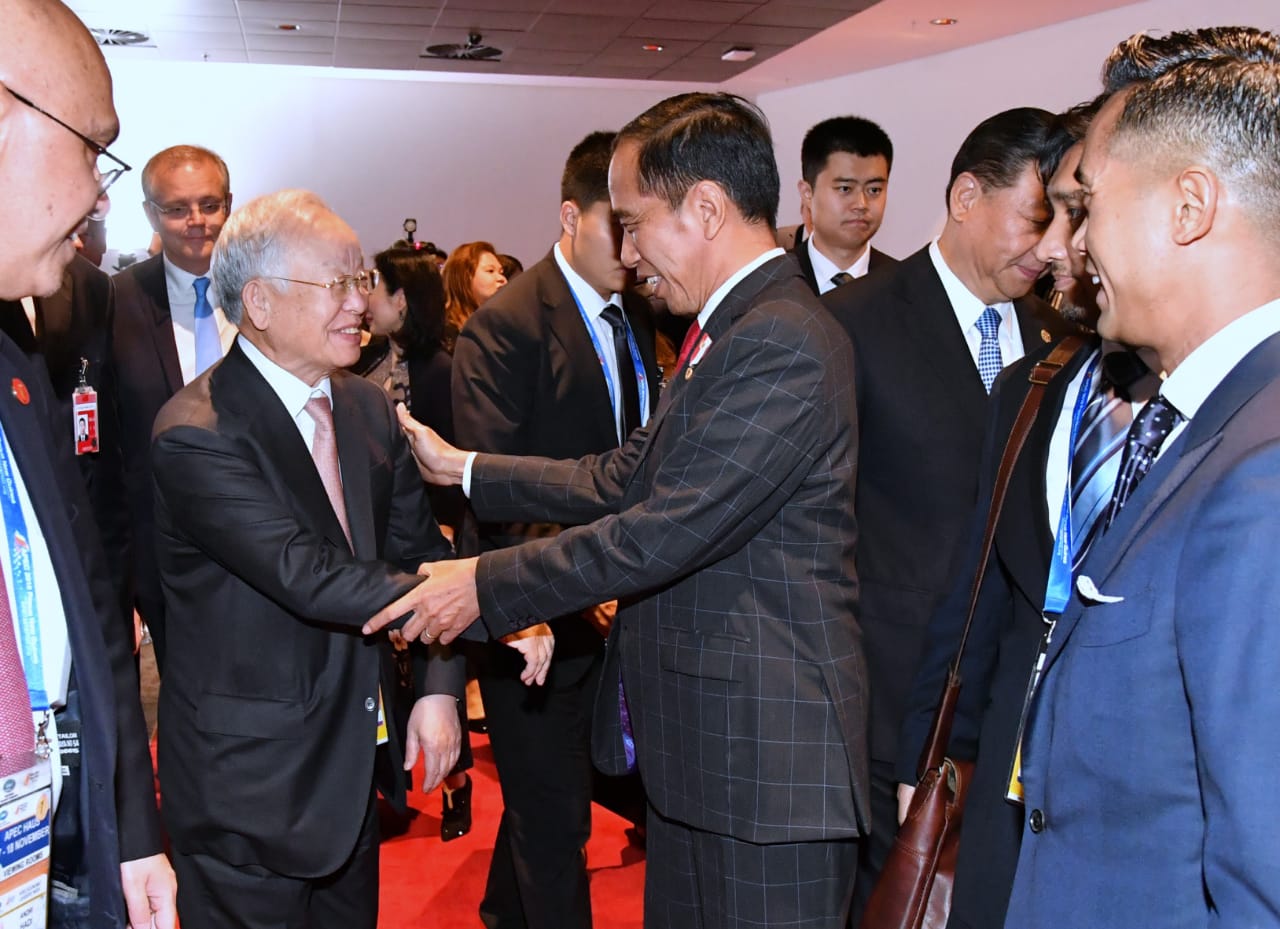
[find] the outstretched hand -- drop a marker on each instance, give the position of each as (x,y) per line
(443,605)
(438,461)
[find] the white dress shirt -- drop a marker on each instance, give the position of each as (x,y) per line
(182,310)
(824,269)
(292,391)
(968,308)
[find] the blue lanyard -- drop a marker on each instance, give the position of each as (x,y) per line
(642,382)
(22,574)
(1058,590)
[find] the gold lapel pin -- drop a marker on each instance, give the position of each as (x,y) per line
(1044,336)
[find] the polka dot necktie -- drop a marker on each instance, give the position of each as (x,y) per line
(1150,428)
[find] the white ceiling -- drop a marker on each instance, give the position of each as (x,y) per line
(796,41)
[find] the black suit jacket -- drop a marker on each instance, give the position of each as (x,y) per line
(879,260)
(1007,627)
(526,381)
(73,326)
(726,529)
(116,796)
(270,686)
(148,373)
(922,413)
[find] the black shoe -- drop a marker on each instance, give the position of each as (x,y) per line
(455,812)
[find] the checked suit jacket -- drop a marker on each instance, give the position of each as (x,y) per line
(726,529)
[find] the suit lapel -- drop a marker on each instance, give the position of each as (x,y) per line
(355,456)
(53,324)
(1035,325)
(569,331)
(1175,466)
(151,281)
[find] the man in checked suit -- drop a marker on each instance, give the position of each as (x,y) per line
(287,503)
(544,370)
(929,336)
(725,528)
(845,164)
(1152,739)
(165,334)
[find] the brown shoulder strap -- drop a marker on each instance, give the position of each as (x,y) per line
(936,746)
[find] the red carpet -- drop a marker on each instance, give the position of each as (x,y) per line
(429,884)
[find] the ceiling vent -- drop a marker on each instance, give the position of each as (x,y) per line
(474,50)
(117,37)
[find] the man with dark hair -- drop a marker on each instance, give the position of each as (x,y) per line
(78,787)
(559,364)
(734,675)
(167,330)
(929,337)
(1154,721)
(845,164)
(1144,57)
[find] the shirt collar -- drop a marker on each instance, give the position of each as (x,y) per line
(179,281)
(292,391)
(964,304)
(591,302)
(1207,366)
(734,279)
(824,269)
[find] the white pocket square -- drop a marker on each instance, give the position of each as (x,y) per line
(1089,590)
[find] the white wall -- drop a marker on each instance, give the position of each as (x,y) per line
(467,160)
(928,106)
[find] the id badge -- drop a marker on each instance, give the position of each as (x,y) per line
(383,735)
(84,414)
(26,817)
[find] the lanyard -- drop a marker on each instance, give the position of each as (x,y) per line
(642,382)
(1058,590)
(22,574)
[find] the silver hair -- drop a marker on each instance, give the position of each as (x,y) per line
(254,244)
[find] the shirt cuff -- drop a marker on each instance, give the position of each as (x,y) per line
(466,474)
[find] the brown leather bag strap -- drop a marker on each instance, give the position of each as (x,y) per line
(935,747)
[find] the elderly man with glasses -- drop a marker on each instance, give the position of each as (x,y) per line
(288,505)
(168,329)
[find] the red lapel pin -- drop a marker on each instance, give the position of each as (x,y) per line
(19,390)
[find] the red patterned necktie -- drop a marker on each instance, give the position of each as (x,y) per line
(17,731)
(324,449)
(686,347)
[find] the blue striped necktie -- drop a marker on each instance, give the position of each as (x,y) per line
(1095,460)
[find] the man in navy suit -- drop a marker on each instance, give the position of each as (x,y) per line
(56,118)
(1149,756)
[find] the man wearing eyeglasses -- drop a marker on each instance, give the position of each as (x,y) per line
(168,329)
(62,653)
(287,503)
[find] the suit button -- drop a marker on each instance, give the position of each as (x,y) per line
(1037,822)
(369,704)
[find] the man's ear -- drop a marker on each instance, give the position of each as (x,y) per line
(1196,204)
(227,208)
(569,215)
(805,190)
(965,194)
(255,298)
(709,206)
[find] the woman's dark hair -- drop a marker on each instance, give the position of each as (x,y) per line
(414,272)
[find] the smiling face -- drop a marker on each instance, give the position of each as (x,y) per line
(846,203)
(48,179)
(190,190)
(311,331)
(658,242)
(1066,261)
(1001,229)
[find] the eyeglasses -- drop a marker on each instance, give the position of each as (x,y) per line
(365,282)
(183,210)
(105,178)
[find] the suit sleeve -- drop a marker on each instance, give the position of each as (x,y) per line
(750,439)
(1227,640)
(213,492)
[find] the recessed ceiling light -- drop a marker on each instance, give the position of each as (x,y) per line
(652,47)
(289,27)
(738,53)
(943,21)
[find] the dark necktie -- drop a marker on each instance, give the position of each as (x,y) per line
(841,277)
(989,361)
(1095,460)
(1150,428)
(630,418)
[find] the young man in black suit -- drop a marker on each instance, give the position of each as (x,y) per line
(734,676)
(168,329)
(56,119)
(844,187)
(549,368)
(929,336)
